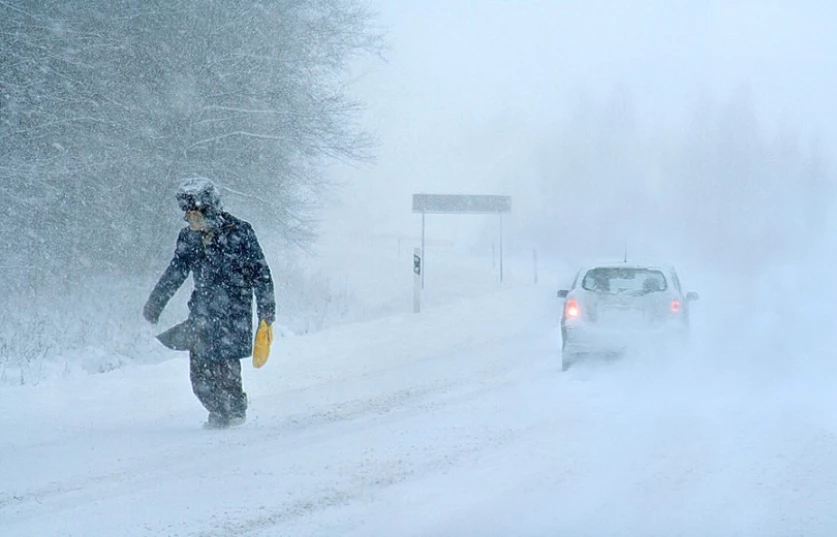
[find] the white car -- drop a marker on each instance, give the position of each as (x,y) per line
(611,308)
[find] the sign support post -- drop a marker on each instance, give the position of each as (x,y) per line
(422,247)
(501,247)
(417,280)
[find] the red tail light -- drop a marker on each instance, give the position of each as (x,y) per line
(675,306)
(571,309)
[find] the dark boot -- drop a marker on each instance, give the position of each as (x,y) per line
(236,421)
(215,421)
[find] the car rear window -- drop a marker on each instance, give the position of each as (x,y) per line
(624,280)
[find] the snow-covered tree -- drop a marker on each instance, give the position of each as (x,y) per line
(106,105)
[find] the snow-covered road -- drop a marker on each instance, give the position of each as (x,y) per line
(454,422)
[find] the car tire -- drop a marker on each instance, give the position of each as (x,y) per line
(567,360)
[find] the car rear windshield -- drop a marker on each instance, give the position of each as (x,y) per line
(624,280)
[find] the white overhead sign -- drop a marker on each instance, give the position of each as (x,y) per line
(460,204)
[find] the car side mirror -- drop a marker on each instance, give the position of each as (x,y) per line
(691,296)
(563,293)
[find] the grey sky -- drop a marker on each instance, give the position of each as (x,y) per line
(462,74)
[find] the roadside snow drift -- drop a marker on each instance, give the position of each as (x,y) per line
(456,421)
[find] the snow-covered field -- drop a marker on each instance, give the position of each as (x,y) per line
(457,421)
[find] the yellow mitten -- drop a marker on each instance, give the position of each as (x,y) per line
(261,348)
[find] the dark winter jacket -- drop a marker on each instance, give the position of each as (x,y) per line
(227,271)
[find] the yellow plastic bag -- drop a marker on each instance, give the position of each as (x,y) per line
(261,347)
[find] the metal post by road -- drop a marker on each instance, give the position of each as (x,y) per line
(422,249)
(501,248)
(535,264)
(417,270)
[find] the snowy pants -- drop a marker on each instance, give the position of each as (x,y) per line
(217,385)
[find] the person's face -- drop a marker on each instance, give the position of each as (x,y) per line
(196,220)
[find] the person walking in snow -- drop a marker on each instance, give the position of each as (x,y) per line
(228,267)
